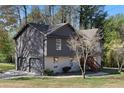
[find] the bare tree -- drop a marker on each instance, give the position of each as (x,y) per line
(117,54)
(49,13)
(84,47)
(120,58)
(19,14)
(25,12)
(118,49)
(121,32)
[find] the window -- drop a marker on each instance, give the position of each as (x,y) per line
(22,64)
(58,44)
(55,59)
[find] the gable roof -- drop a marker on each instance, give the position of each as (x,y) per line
(44,29)
(40,27)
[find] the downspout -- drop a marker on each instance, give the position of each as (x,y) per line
(43,54)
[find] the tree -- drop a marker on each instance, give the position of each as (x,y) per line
(119,50)
(118,56)
(6,47)
(25,13)
(112,37)
(8,17)
(121,31)
(66,14)
(84,47)
(49,13)
(91,16)
(35,15)
(8,25)
(18,8)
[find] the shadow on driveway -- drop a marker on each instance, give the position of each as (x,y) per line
(105,71)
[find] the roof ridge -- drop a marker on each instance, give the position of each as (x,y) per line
(56,28)
(43,28)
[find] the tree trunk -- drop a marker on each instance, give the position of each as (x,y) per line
(19,15)
(25,11)
(83,75)
(83,67)
(53,14)
(81,19)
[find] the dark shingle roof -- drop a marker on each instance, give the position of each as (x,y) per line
(41,27)
(55,27)
(45,29)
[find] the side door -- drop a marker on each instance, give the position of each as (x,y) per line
(22,64)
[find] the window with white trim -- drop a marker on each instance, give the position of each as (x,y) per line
(58,44)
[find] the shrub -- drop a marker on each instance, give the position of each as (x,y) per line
(66,69)
(48,72)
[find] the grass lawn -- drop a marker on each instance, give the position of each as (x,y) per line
(5,67)
(76,82)
(112,80)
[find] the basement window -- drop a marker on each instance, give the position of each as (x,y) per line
(55,59)
(58,44)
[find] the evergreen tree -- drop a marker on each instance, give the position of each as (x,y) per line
(91,16)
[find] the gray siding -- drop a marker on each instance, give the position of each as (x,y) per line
(31,48)
(29,45)
(63,31)
(51,48)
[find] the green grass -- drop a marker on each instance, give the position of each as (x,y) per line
(77,82)
(112,80)
(5,67)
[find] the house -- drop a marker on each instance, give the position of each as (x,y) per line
(40,46)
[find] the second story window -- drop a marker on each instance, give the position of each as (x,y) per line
(58,44)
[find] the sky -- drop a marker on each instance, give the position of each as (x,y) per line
(111,9)
(114,9)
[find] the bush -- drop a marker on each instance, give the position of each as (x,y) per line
(66,69)
(48,72)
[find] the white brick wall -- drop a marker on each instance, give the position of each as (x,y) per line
(62,62)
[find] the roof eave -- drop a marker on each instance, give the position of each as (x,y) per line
(19,32)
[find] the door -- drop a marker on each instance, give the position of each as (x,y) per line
(35,66)
(22,64)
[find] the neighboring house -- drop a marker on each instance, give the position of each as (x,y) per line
(40,46)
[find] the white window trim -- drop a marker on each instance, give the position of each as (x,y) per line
(58,44)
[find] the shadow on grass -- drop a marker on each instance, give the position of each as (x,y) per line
(23,78)
(30,78)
